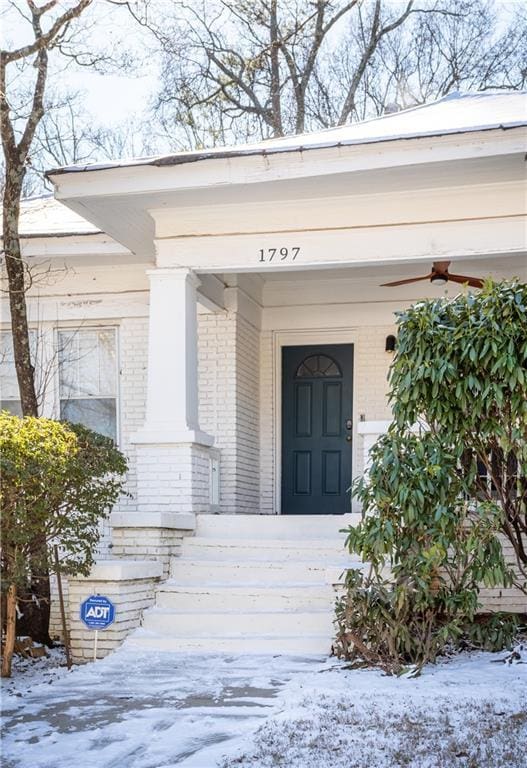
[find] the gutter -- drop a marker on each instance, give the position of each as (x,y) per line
(182,158)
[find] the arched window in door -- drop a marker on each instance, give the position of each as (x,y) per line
(316,367)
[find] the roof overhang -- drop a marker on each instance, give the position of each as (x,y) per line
(119,199)
(74,247)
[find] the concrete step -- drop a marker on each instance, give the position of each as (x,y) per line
(303,645)
(252,584)
(246,599)
(309,551)
(293,527)
(212,572)
(267,623)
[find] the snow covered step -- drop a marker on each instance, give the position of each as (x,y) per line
(303,645)
(198,624)
(270,598)
(252,584)
(292,527)
(248,572)
(319,550)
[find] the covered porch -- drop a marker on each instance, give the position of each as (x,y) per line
(249,410)
(254,251)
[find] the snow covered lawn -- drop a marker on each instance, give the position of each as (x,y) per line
(470,712)
(147,710)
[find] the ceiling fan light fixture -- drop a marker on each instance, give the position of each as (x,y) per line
(439,279)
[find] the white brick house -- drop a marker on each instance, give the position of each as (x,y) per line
(201,276)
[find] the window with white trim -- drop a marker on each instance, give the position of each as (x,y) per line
(88,378)
(9,392)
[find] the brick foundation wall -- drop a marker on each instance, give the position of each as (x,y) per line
(130,586)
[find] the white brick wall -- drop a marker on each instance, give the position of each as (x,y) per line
(173,478)
(236,402)
(267,424)
(217,387)
(133,358)
(229,404)
(131,597)
(247,416)
(133,351)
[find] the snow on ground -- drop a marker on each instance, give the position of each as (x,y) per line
(142,710)
(153,710)
(469,712)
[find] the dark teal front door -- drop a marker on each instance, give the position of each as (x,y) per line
(317,394)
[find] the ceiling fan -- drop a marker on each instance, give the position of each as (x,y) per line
(439,276)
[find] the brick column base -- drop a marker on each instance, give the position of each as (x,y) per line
(130,585)
(173,477)
(151,536)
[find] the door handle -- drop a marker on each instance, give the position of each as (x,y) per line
(349,438)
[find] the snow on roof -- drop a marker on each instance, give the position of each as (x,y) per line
(45,216)
(453,114)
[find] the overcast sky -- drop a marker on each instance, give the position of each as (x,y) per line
(112,97)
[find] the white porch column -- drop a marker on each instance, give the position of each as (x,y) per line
(173,462)
(172,389)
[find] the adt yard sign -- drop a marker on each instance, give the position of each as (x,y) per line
(97,612)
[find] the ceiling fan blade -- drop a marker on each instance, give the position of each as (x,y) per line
(440,266)
(405,282)
(474,282)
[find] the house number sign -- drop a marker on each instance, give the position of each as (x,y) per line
(278,254)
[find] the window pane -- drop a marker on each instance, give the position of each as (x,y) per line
(316,366)
(8,380)
(13,406)
(87,363)
(97,414)
(68,355)
(107,363)
(88,379)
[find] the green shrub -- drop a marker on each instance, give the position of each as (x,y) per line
(57,480)
(447,478)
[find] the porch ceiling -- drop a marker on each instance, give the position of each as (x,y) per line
(502,266)
(362,284)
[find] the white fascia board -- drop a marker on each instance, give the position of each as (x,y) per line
(251,169)
(50,246)
(347,247)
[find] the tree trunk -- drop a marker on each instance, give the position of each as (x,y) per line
(35,605)
(10,634)
(17,290)
(35,621)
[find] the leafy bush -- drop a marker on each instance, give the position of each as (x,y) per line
(461,369)
(449,475)
(58,478)
(57,482)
